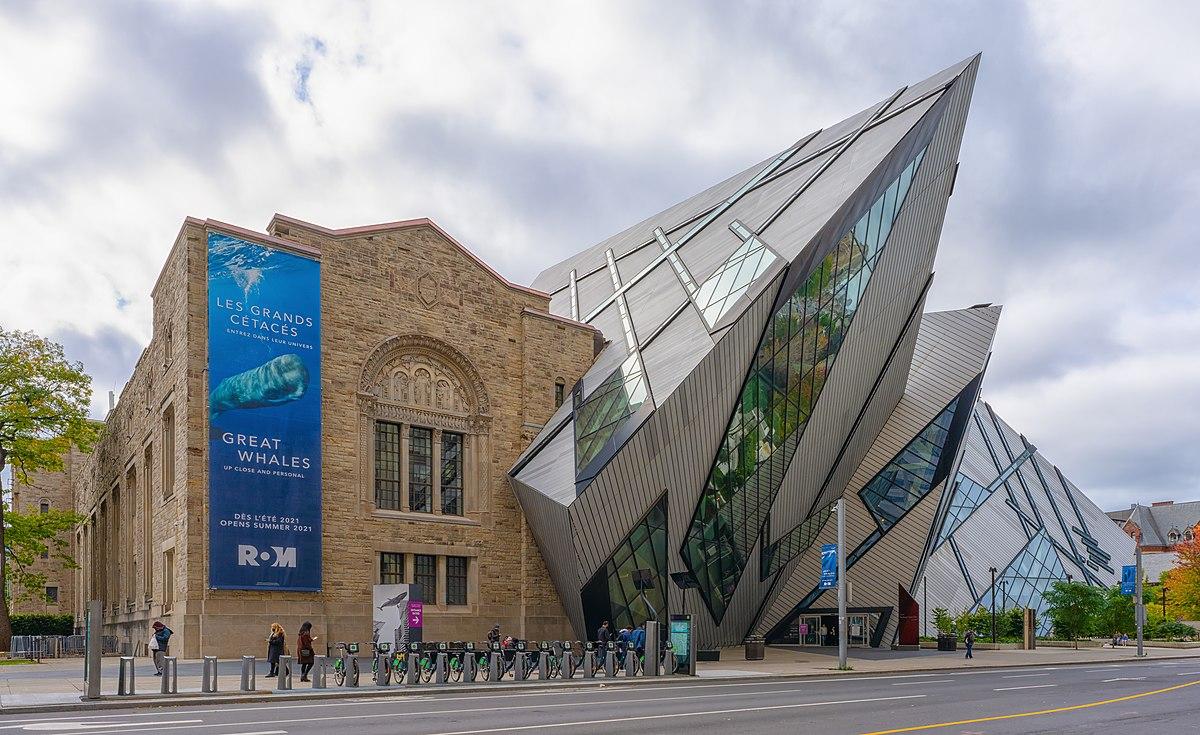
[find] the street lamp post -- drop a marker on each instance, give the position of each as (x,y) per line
(993,571)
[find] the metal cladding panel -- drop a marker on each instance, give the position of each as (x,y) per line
(892,560)
(937,80)
(672,451)
(653,300)
(632,263)
(551,528)
(551,471)
(944,585)
(976,463)
(593,288)
(672,356)
(991,537)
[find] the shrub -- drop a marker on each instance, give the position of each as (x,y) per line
(1165,630)
(42,624)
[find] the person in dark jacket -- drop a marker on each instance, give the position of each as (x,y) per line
(603,635)
(162,639)
(970,640)
(304,649)
(275,647)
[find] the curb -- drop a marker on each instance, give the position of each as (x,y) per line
(112,701)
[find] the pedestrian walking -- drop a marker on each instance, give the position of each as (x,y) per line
(637,639)
(304,649)
(160,641)
(603,635)
(970,640)
(275,646)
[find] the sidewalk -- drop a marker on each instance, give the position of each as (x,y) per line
(58,685)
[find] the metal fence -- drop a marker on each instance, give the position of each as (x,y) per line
(37,647)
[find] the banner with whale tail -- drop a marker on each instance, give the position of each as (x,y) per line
(264,414)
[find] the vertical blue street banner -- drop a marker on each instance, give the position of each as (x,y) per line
(829,554)
(264,414)
(1129,579)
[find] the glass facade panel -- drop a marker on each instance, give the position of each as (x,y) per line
(968,495)
(391,568)
(732,279)
(778,396)
(425,574)
(909,476)
(456,580)
(795,541)
(387,465)
(420,469)
(600,415)
(1027,579)
(452,473)
(611,593)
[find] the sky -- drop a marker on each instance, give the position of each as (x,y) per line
(530,130)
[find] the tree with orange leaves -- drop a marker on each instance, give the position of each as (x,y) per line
(1184,580)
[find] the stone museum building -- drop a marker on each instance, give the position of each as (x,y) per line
(436,373)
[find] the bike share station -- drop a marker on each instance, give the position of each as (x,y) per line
(409,661)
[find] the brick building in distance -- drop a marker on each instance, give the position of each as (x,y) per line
(434,374)
(1158,528)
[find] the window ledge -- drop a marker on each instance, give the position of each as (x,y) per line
(400,515)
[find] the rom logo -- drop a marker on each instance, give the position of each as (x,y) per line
(278,556)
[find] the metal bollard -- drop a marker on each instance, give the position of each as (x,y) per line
(543,665)
(412,669)
(320,668)
(249,675)
(170,677)
(285,673)
(440,666)
(589,664)
(569,664)
(494,667)
(520,666)
(469,665)
(610,662)
(352,671)
(125,685)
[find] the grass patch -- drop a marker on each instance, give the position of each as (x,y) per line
(15,661)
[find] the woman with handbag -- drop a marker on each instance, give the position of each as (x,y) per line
(275,646)
(304,649)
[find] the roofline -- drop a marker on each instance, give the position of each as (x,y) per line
(562,319)
(403,225)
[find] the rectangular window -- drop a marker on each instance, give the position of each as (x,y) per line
(391,568)
(168,595)
(420,469)
(168,452)
(559,389)
(52,595)
(425,574)
(452,473)
(387,465)
(456,580)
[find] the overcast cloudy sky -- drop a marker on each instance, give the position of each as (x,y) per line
(530,130)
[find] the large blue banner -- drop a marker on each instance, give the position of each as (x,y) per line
(264,412)
(829,554)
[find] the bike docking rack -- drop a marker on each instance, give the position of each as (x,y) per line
(381,669)
(125,680)
(208,675)
(285,674)
(441,663)
(170,675)
(470,665)
(319,671)
(610,659)
(249,675)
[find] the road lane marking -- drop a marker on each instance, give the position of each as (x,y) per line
(927,681)
(1021,676)
(1027,686)
(1189,673)
(1056,710)
(139,726)
(89,726)
(642,718)
(1123,678)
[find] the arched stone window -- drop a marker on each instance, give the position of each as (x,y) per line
(44,506)
(425,428)
(1173,537)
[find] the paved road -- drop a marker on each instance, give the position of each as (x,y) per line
(1097,697)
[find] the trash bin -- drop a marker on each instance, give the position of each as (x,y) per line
(754,648)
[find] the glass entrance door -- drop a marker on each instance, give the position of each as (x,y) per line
(810,630)
(862,626)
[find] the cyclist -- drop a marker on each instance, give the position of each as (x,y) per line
(493,635)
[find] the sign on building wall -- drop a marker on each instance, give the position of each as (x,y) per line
(395,620)
(264,413)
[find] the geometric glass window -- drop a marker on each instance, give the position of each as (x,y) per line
(611,593)
(452,472)
(795,354)
(968,495)
(387,465)
(1027,579)
(723,288)
(420,465)
(599,416)
(794,542)
(909,476)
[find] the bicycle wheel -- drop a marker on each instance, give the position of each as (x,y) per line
(426,669)
(339,672)
(456,668)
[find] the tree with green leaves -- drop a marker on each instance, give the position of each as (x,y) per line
(1072,608)
(1116,614)
(44,401)
(32,536)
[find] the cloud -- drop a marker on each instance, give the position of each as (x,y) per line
(533,130)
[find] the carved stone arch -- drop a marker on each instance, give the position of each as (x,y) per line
(394,349)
